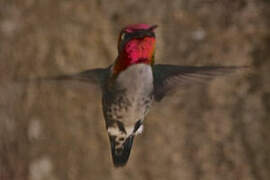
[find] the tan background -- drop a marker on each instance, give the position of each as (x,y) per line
(56,131)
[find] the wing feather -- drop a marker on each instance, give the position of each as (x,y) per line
(170,77)
(92,76)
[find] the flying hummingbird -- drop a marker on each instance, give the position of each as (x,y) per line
(133,82)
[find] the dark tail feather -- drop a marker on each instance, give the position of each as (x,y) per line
(121,155)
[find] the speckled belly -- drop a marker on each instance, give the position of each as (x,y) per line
(133,97)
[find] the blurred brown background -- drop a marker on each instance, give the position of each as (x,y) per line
(220,131)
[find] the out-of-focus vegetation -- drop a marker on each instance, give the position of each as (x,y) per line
(51,131)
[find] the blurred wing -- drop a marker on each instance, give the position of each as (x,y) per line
(170,77)
(92,76)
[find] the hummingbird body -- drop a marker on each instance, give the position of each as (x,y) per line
(128,92)
(126,101)
(130,95)
(133,81)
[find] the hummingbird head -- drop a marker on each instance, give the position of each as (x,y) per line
(136,44)
(121,139)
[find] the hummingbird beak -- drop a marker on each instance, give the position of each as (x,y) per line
(152,28)
(120,153)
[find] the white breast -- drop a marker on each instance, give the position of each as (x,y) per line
(137,81)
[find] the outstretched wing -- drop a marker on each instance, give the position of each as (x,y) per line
(170,77)
(92,76)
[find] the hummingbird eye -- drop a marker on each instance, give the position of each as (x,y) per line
(123,35)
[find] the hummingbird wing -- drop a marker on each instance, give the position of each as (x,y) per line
(167,78)
(92,76)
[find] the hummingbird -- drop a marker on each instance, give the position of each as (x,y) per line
(131,84)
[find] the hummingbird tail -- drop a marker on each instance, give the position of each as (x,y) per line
(121,154)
